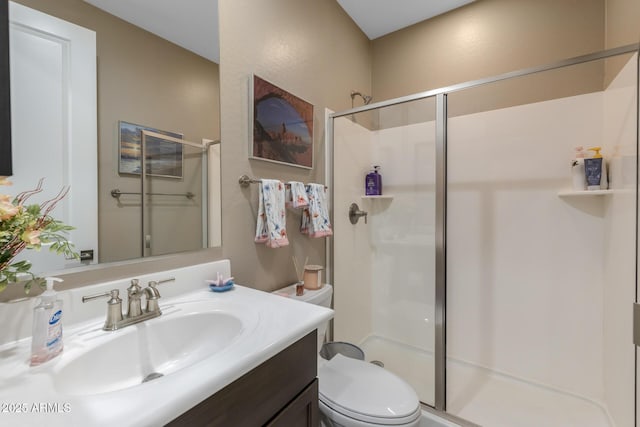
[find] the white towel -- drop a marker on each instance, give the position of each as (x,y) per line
(270,226)
(315,218)
(296,195)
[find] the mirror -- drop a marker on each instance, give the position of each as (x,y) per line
(143,82)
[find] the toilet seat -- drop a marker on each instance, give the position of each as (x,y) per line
(338,419)
(365,392)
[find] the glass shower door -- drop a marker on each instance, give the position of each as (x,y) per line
(384,269)
(176,205)
(540,275)
(174,213)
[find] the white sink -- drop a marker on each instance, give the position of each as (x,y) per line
(202,342)
(186,334)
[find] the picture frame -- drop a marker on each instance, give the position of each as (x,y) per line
(281,125)
(164,158)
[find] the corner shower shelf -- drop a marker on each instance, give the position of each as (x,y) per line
(587,193)
(384,196)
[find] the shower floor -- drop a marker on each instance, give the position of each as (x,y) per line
(483,396)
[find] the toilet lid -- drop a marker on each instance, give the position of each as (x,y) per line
(365,391)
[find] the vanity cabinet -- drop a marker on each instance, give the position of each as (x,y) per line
(281,392)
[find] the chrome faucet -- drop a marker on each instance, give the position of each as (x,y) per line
(134,296)
(153,295)
(135,314)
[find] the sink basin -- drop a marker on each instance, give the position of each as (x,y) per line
(185,334)
(202,343)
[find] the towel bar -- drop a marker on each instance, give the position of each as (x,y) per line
(117,193)
(245,180)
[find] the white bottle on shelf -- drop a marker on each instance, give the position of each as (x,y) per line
(577,170)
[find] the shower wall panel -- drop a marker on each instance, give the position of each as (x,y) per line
(537,280)
(386,301)
(403,236)
(524,266)
(352,250)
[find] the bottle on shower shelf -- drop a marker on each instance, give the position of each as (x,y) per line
(595,171)
(373,182)
(577,170)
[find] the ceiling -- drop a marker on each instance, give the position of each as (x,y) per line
(379,17)
(193,24)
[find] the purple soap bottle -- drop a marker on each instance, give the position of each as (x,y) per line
(373,182)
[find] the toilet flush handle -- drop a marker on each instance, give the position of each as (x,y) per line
(355,213)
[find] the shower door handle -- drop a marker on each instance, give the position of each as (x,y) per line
(355,213)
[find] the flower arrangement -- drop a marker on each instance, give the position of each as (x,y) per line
(25,226)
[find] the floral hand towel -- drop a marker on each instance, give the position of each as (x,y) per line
(296,195)
(315,218)
(270,227)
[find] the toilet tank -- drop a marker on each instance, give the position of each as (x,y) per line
(320,297)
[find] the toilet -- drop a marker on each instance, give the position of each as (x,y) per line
(355,393)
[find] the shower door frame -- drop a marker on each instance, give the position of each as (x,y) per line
(440,95)
(636,417)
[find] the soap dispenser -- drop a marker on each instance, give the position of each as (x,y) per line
(373,182)
(595,171)
(46,342)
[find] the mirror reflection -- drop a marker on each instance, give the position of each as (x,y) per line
(68,111)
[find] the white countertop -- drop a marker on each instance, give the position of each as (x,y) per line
(281,322)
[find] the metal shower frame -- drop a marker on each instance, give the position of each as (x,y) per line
(204,147)
(441,187)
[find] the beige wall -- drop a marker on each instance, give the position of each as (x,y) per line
(487,38)
(312,49)
(622,22)
(146,80)
(622,27)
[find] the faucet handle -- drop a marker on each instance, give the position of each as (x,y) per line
(114,294)
(355,213)
(152,291)
(154,283)
(153,295)
(114,308)
(115,297)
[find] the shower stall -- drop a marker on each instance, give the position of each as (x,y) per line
(173,195)
(480,276)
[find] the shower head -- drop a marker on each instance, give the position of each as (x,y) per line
(366,98)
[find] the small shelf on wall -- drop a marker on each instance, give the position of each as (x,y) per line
(382,197)
(591,193)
